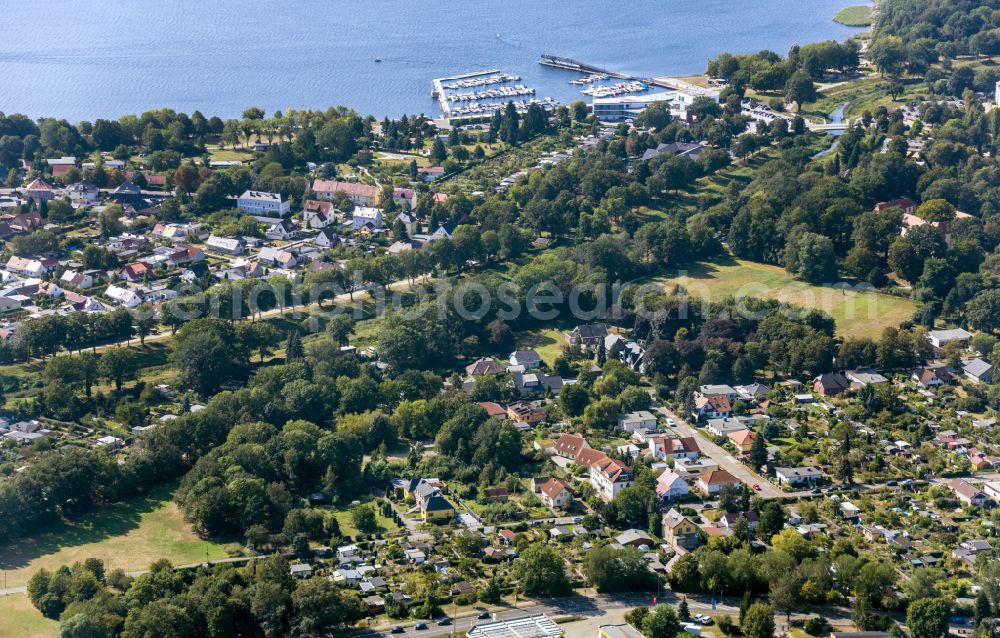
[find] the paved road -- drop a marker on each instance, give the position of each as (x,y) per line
(727,461)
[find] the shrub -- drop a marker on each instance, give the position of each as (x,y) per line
(816,626)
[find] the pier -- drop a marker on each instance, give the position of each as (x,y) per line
(580,67)
(438,90)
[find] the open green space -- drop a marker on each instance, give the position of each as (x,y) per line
(857,313)
(20,619)
(126,536)
(856,16)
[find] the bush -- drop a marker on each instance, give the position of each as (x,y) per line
(816,626)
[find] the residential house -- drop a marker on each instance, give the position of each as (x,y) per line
(588,336)
(729,519)
(136,272)
(941,338)
(430,173)
(570,445)
(283,258)
(536,382)
(359,194)
(484,366)
(969,493)
(634,538)
(679,531)
(327,238)
(525,359)
(713,401)
(317,215)
(123,296)
(609,476)
(77,279)
(282,230)
(366,216)
(61,165)
(301,570)
(263,204)
(28,267)
(673,447)
(38,190)
(227,245)
(670,486)
(711,481)
(524,412)
(556,494)
(83,193)
(743,440)
(798,475)
(724,427)
(634,420)
(932,375)
(408,221)
(978,371)
(830,384)
(905,204)
(862,378)
(405,198)
(437,509)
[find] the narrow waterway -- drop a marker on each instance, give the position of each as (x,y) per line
(836,117)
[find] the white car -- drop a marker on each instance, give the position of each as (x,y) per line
(671,423)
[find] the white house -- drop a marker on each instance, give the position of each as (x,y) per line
(634,420)
(366,215)
(671,486)
(281,230)
(24,266)
(327,238)
(228,245)
(941,338)
(797,475)
(78,279)
(261,203)
(123,296)
(609,476)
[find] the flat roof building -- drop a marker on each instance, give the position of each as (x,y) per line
(538,626)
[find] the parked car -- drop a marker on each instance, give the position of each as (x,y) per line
(420,626)
(397,630)
(756,487)
(577,520)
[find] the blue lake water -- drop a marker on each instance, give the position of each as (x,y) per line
(83,59)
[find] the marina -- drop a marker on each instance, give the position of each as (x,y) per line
(622,88)
(459,104)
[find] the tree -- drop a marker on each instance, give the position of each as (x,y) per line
(758,621)
(339,328)
(784,596)
(540,572)
(612,570)
(772,520)
(206,354)
(661,623)
(928,618)
(573,399)
(320,607)
(758,453)
(800,89)
(118,365)
(363,517)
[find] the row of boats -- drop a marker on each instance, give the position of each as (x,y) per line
(590,79)
(493,94)
(520,105)
(622,88)
(471,83)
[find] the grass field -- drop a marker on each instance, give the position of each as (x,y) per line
(19,619)
(129,536)
(856,16)
(386,525)
(857,313)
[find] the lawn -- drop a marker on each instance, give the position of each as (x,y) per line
(857,313)
(129,536)
(548,343)
(387,526)
(856,16)
(22,620)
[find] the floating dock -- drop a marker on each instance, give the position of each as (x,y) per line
(438,90)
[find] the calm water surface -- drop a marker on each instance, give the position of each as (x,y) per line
(83,59)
